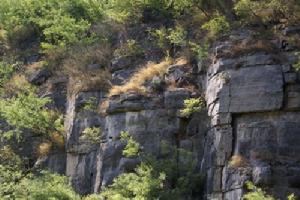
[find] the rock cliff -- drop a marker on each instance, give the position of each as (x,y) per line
(250,129)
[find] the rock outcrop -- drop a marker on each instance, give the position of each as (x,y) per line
(250,129)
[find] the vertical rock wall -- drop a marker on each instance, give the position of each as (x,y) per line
(253,101)
(250,130)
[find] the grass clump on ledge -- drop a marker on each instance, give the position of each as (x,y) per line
(135,83)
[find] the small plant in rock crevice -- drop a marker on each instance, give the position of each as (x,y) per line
(90,104)
(191,106)
(296,66)
(132,147)
(91,134)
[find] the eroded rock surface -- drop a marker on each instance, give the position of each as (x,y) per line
(252,113)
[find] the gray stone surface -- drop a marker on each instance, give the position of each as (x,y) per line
(293,96)
(39,76)
(120,63)
(175,98)
(256,89)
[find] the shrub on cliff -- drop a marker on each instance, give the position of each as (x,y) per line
(268,11)
(42,186)
(173,176)
(27,111)
(125,11)
(256,193)
(56,23)
(6,72)
(216,26)
(192,105)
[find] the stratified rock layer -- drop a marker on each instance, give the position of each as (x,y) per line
(252,116)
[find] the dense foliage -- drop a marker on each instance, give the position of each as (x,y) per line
(57,23)
(257,193)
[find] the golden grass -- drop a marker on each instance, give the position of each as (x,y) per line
(135,83)
(44,148)
(237,161)
(103,107)
(83,78)
(249,46)
(58,139)
(35,66)
(96,80)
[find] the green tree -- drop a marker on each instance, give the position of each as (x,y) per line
(27,111)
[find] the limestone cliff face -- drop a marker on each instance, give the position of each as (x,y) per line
(250,129)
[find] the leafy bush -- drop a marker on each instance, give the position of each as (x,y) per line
(61,31)
(27,111)
(44,186)
(132,10)
(9,158)
(157,178)
(251,11)
(172,37)
(257,193)
(296,66)
(132,148)
(216,26)
(6,72)
(16,181)
(143,184)
(8,178)
(91,134)
(161,36)
(177,36)
(57,23)
(191,106)
(200,51)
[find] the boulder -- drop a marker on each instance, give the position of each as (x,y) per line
(39,76)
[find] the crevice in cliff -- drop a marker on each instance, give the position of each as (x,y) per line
(234,133)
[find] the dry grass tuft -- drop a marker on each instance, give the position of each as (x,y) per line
(237,161)
(57,139)
(103,107)
(135,84)
(44,148)
(35,66)
(80,57)
(248,46)
(78,63)
(96,80)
